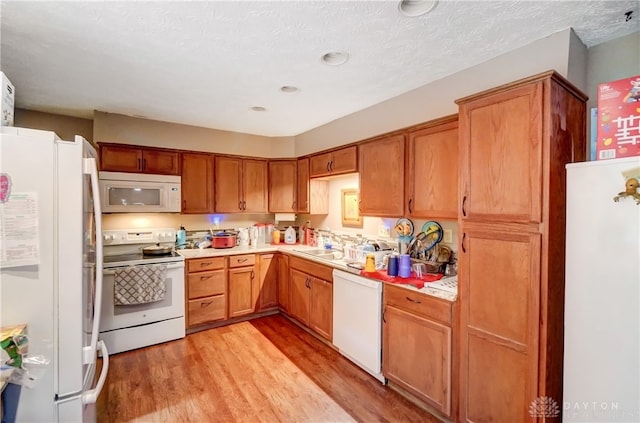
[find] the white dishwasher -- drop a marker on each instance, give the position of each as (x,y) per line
(357,320)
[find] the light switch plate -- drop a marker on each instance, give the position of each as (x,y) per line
(447,236)
(384,230)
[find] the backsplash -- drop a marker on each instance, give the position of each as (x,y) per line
(332,221)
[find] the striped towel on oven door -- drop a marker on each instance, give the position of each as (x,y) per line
(140,284)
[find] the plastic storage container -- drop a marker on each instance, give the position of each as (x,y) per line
(290,236)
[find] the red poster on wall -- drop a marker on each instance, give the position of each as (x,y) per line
(618,119)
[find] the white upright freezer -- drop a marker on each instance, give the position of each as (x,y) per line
(602,295)
(51,271)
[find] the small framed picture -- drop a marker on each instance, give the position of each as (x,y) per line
(350,210)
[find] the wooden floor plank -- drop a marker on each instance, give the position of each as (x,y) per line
(264,370)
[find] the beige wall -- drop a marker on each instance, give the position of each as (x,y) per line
(113,127)
(191,222)
(435,100)
(65,126)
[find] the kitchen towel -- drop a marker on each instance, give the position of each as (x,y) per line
(140,284)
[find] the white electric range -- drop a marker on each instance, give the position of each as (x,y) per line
(136,320)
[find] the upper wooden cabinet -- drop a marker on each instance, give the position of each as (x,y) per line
(382,176)
(197,183)
(125,158)
(302,183)
(515,141)
(282,186)
(313,194)
(432,163)
(240,185)
(336,162)
(501,160)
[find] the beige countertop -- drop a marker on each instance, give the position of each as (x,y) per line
(298,251)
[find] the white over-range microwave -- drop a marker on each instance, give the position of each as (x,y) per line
(139,193)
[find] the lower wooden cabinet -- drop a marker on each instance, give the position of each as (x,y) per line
(417,346)
(311,295)
(243,285)
(283,282)
(268,270)
(206,290)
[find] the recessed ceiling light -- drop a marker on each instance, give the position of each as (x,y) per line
(414,8)
(288,89)
(335,58)
(258,109)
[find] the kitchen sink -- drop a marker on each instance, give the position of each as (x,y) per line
(323,254)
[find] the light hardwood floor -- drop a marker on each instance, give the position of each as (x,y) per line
(264,370)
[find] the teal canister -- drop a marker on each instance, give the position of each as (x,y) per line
(181,237)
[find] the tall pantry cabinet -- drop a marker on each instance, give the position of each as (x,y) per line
(514,143)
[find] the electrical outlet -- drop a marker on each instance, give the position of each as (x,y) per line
(384,230)
(447,236)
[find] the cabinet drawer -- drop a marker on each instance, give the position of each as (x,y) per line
(206,284)
(201,264)
(320,271)
(206,309)
(419,303)
(242,260)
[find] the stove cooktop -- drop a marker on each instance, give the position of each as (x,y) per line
(139,258)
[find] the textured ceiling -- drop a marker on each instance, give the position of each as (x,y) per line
(207,63)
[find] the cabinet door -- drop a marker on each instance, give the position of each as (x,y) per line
(302,200)
(321,308)
(227,184)
(501,156)
(161,162)
(197,183)
(116,158)
(242,291)
(282,186)
(433,172)
(499,275)
(417,356)
(254,177)
(268,281)
(283,282)
(299,293)
(382,177)
(319,165)
(344,160)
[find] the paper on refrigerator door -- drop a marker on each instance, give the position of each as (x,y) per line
(19,232)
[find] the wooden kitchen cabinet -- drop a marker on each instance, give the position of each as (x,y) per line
(282,186)
(432,166)
(311,295)
(313,194)
(283,282)
(268,281)
(382,176)
(127,158)
(515,141)
(206,287)
(417,346)
(240,185)
(197,183)
(336,162)
(243,285)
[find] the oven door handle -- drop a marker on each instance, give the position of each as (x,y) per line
(113,272)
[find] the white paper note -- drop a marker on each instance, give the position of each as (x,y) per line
(19,232)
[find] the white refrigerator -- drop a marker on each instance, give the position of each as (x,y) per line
(51,272)
(602,294)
